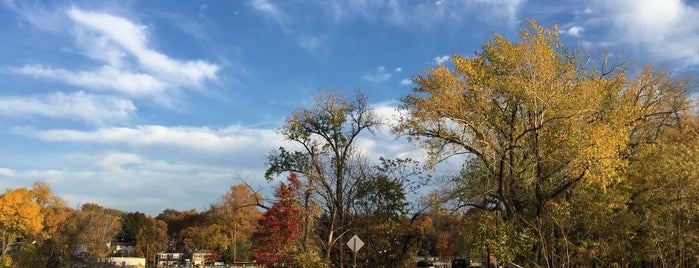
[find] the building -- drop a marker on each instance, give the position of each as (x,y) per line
(122,249)
(125,262)
(201,257)
(165,259)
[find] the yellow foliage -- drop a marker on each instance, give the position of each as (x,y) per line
(19,213)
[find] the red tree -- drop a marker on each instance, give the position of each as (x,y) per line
(279,226)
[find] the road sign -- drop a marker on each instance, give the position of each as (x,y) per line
(355,243)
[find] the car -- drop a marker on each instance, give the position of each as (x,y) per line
(459,263)
(424,264)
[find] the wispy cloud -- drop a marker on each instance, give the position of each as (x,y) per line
(132,181)
(310,42)
(442,59)
(128,65)
(426,14)
(77,106)
(104,78)
(231,139)
(380,74)
(270,10)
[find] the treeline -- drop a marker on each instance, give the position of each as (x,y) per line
(568,161)
(39,230)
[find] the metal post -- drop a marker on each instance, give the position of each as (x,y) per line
(354,251)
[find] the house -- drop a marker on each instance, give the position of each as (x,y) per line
(124,261)
(164,259)
(122,249)
(201,257)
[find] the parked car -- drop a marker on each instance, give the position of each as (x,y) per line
(424,264)
(460,263)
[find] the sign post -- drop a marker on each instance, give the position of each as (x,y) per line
(355,244)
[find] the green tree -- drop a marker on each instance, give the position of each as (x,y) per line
(381,214)
(131,223)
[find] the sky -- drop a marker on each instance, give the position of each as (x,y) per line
(149,105)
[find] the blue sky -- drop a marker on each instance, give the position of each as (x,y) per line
(148,105)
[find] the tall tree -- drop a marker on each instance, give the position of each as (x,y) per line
(327,132)
(535,126)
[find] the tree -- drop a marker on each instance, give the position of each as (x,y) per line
(179,224)
(327,133)
(238,214)
(20,216)
(47,248)
(542,134)
(662,201)
(382,216)
(532,124)
(151,239)
(131,223)
(279,226)
(96,227)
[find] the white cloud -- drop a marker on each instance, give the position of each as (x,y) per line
(406,82)
(669,29)
(230,139)
(131,37)
(175,166)
(6,172)
(398,69)
(129,65)
(378,75)
(77,106)
(269,9)
(118,160)
(575,31)
(132,182)
(442,59)
(106,77)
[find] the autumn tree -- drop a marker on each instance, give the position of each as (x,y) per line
(327,132)
(151,239)
(20,217)
(280,227)
(48,247)
(237,212)
(536,126)
(179,226)
(659,216)
(96,227)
